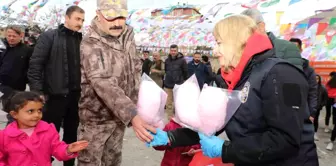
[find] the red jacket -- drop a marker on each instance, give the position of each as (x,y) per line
(331,92)
(174,156)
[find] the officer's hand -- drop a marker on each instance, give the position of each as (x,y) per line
(142,129)
(211,146)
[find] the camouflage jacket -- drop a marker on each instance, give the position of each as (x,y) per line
(110,72)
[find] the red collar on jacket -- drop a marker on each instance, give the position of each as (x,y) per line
(13,130)
(257,43)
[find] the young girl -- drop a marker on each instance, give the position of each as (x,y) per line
(180,156)
(28,140)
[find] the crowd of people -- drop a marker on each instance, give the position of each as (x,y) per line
(88,85)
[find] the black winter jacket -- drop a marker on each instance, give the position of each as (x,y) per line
(48,68)
(14,62)
(312,94)
(176,70)
(146,65)
(322,94)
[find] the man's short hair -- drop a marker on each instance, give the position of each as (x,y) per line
(16,28)
(296,40)
(73,9)
(205,58)
(174,46)
(146,52)
(254,14)
(198,53)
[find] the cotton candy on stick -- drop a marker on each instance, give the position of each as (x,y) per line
(212,109)
(186,103)
(149,102)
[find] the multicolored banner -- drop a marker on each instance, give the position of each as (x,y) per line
(191,26)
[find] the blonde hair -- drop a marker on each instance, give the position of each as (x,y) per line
(232,34)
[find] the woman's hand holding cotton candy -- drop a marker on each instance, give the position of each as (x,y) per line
(211,145)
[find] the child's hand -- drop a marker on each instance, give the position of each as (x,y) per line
(191,152)
(77,146)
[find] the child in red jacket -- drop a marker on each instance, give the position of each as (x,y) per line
(180,156)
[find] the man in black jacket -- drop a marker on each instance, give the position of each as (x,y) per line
(284,49)
(54,71)
(311,78)
(200,69)
(176,70)
(147,63)
(14,61)
(211,75)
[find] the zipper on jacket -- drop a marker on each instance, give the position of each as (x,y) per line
(102,60)
(275,86)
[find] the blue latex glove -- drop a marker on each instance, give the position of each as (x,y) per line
(159,139)
(211,146)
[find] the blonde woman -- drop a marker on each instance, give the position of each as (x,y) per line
(157,69)
(268,128)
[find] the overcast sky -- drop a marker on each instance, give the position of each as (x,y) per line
(132,4)
(138,4)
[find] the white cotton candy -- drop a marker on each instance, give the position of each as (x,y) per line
(186,103)
(212,109)
(151,102)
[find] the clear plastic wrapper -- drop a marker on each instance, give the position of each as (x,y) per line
(216,106)
(151,102)
(186,103)
(206,111)
(2,46)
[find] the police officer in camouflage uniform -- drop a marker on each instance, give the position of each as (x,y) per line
(110,82)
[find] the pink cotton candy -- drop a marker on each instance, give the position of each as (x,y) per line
(160,124)
(212,109)
(186,101)
(151,101)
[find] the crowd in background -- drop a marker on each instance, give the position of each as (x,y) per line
(54,66)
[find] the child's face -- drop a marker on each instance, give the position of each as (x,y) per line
(29,115)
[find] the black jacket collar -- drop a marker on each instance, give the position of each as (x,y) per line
(67,31)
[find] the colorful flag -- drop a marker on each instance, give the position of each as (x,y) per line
(293,1)
(278,16)
(312,21)
(321,27)
(32,3)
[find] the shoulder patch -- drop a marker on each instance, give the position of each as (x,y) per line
(244,92)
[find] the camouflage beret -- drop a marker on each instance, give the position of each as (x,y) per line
(111,9)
